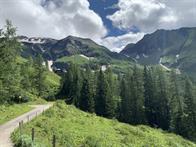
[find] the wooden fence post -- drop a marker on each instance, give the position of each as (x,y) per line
(28,118)
(20,130)
(33,134)
(54,141)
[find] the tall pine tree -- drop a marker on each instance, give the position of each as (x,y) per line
(176,124)
(189,110)
(163,110)
(137,101)
(10,71)
(149,95)
(86,102)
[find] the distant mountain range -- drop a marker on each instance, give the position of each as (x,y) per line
(172,49)
(72,49)
(169,48)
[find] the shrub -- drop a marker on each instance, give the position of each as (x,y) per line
(25,141)
(92,141)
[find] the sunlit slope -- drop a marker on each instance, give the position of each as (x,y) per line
(73,127)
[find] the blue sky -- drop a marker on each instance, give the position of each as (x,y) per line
(104,8)
(112,23)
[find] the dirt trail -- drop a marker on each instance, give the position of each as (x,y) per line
(7,128)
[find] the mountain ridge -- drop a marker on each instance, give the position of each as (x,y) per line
(61,52)
(171,48)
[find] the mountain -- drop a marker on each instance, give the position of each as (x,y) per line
(71,49)
(74,127)
(170,48)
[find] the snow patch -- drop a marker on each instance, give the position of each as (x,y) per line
(103,67)
(177,57)
(145,56)
(137,57)
(160,60)
(44,63)
(32,40)
(178,71)
(165,67)
(127,55)
(84,56)
(50,63)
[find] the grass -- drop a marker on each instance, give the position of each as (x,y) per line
(8,112)
(77,59)
(52,79)
(20,60)
(74,128)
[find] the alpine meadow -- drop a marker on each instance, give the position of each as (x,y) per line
(86,73)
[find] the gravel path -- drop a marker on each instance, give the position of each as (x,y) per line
(7,128)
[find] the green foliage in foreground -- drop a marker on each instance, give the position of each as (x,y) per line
(73,128)
(12,111)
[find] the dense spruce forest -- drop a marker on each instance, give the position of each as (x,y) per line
(146,95)
(143,95)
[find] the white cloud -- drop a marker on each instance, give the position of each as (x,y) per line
(56,19)
(60,18)
(184,10)
(116,44)
(146,15)
(149,15)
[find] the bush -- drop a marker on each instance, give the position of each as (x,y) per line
(91,141)
(19,99)
(25,141)
(50,98)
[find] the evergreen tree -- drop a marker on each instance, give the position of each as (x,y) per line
(176,124)
(71,85)
(103,103)
(149,95)
(10,71)
(86,98)
(66,85)
(125,109)
(100,94)
(163,110)
(189,110)
(110,103)
(40,76)
(76,85)
(137,101)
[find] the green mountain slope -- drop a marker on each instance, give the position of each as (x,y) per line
(73,127)
(174,49)
(72,49)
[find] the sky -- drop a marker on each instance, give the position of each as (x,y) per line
(112,23)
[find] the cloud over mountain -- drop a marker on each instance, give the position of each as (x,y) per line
(60,18)
(149,15)
(56,19)
(119,42)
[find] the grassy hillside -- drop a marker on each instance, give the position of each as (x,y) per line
(73,128)
(74,58)
(12,111)
(118,66)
